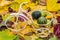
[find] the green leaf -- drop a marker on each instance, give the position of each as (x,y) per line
(53,38)
(17,38)
(6,35)
(48,23)
(6,16)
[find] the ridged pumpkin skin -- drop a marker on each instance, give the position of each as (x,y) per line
(42,20)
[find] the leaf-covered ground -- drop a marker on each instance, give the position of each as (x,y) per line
(7,34)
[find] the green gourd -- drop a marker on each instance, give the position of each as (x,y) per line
(42,20)
(36,14)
